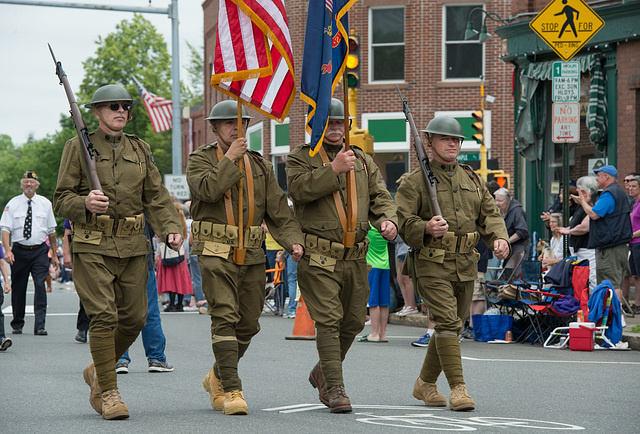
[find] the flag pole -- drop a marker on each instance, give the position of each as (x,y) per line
(349,237)
(240,251)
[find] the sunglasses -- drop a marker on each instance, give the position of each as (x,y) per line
(114,106)
(628,180)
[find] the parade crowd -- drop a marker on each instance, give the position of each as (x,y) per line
(131,249)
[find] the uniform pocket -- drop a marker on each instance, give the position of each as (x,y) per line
(432,255)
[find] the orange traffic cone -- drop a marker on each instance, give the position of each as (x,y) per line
(303,326)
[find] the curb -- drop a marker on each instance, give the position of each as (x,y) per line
(419,320)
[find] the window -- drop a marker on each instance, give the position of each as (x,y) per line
(390,131)
(254,134)
(387,44)
(463,59)
(280,137)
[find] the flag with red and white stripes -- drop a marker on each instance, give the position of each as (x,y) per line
(253,57)
(159,108)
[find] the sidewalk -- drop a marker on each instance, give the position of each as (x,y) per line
(421,321)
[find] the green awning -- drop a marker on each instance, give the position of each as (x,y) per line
(544,70)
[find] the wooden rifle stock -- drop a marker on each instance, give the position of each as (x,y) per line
(429,177)
(81,127)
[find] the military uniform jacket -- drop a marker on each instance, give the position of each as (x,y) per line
(209,179)
(467,207)
(129,179)
(311,186)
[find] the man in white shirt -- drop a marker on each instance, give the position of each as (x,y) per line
(27,221)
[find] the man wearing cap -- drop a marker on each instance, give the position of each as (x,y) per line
(609,228)
(233,285)
(445,262)
(333,277)
(27,221)
(109,246)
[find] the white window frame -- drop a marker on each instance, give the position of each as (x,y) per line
(472,145)
(370,47)
(444,44)
(388,146)
(276,150)
(252,129)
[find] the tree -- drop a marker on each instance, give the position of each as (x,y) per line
(193,93)
(135,48)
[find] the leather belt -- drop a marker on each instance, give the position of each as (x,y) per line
(29,247)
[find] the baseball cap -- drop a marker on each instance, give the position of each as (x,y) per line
(608,169)
(30,174)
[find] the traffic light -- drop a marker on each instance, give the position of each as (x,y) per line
(353,62)
(503,179)
(478,126)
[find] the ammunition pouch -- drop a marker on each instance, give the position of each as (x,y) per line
(227,234)
(320,246)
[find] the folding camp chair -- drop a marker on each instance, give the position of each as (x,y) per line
(274,290)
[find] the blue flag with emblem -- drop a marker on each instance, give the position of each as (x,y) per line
(323,61)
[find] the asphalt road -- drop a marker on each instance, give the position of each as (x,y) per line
(516,387)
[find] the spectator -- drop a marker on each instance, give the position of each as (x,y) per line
(174,280)
(272,248)
(634,245)
(380,287)
(5,342)
(404,281)
(578,229)
(557,205)
(515,219)
(556,243)
(610,228)
(194,268)
(626,283)
(27,222)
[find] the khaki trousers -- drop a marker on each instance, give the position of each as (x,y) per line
(337,302)
(113,292)
(235,294)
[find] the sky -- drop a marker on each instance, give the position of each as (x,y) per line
(32,99)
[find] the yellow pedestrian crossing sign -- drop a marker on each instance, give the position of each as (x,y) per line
(566,25)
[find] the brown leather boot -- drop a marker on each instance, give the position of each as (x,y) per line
(234,403)
(459,399)
(112,406)
(428,392)
(317,381)
(338,400)
(95,397)
(212,384)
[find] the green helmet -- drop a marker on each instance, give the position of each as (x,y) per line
(227,110)
(445,125)
(108,93)
(336,109)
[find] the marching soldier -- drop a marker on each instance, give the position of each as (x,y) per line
(234,287)
(445,263)
(109,246)
(332,277)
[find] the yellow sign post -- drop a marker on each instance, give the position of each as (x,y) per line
(566,26)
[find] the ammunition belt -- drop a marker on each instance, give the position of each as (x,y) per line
(109,226)
(453,243)
(320,246)
(227,234)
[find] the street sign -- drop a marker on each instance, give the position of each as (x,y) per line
(566,82)
(177,185)
(566,122)
(566,26)
(474,156)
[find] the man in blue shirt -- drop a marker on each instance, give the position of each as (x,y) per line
(609,228)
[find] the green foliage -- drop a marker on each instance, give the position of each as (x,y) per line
(193,94)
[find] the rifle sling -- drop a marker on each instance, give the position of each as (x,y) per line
(336,195)
(228,206)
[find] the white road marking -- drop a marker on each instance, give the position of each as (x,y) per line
(591,362)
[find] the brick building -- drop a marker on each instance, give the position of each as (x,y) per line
(418,45)
(611,137)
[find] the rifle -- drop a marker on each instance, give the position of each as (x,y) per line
(429,177)
(81,127)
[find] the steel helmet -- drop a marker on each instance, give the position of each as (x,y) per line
(108,93)
(336,109)
(445,125)
(227,110)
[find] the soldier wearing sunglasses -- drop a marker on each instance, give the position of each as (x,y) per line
(109,246)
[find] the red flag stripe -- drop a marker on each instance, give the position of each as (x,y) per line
(159,109)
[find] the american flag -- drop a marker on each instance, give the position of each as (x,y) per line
(253,56)
(159,108)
